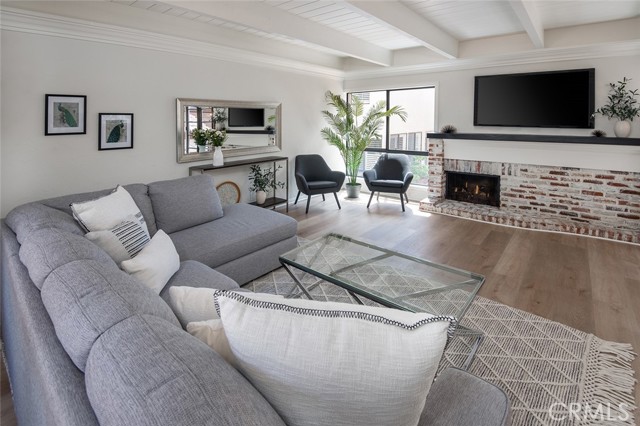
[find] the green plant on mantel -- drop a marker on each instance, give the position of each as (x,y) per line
(201,136)
(622,103)
(351,130)
(263,179)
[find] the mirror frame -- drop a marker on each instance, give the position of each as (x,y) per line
(181,103)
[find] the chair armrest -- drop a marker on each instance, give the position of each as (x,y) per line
(407,181)
(338,177)
(460,398)
(301,182)
(369,175)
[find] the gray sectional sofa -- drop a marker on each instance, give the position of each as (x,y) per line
(85,343)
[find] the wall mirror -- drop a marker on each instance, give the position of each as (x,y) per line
(252,127)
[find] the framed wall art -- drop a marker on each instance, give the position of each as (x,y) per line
(65,115)
(115,131)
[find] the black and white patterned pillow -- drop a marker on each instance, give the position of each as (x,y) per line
(124,241)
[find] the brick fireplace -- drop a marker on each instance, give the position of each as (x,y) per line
(592,202)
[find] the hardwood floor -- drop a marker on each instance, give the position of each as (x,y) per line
(589,284)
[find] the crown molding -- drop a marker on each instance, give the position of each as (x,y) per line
(19,20)
(604,50)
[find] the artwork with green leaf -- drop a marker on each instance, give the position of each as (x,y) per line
(115,131)
(65,115)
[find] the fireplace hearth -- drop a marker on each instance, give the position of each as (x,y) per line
(473,188)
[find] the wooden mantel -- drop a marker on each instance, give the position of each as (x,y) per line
(537,138)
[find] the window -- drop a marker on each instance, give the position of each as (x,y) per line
(408,137)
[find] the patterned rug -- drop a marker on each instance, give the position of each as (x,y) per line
(553,374)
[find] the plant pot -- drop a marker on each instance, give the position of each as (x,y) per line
(353,190)
(261,197)
(202,148)
(622,129)
(218,157)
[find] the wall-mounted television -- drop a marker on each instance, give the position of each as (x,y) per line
(245,117)
(541,99)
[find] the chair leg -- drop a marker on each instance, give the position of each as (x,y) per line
(406,197)
(378,196)
(297,196)
(402,201)
(308,201)
(323,199)
(335,194)
(371,197)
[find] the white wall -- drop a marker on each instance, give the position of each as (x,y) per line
(129,80)
(455,106)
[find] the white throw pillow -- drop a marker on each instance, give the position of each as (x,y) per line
(334,363)
(156,263)
(106,212)
(122,242)
(191,304)
(211,332)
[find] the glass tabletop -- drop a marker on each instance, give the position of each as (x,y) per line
(387,277)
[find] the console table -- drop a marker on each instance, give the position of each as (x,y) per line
(271,201)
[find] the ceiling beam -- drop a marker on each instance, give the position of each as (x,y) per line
(260,16)
(527,13)
(398,17)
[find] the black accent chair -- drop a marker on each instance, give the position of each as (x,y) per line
(313,176)
(390,174)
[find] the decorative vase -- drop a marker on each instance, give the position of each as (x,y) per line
(218,157)
(353,190)
(622,129)
(261,197)
(202,148)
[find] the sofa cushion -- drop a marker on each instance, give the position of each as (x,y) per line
(25,219)
(182,203)
(85,298)
(195,274)
(143,371)
(49,248)
(334,363)
(138,191)
(155,264)
(245,229)
(108,211)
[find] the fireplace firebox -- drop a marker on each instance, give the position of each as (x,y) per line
(473,188)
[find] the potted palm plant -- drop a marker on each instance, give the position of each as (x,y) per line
(621,105)
(352,130)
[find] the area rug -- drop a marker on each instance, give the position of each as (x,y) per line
(553,374)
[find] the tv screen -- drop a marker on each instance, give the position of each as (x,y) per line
(542,99)
(246,117)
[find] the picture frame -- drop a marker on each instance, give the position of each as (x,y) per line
(65,115)
(115,131)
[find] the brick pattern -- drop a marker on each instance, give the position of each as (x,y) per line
(582,201)
(436,180)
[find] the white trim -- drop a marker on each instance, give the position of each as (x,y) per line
(603,50)
(58,26)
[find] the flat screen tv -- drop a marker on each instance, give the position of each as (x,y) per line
(541,99)
(246,117)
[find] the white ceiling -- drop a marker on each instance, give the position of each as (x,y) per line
(349,35)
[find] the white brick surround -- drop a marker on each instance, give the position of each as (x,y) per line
(592,202)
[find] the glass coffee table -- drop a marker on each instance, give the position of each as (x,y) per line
(389,278)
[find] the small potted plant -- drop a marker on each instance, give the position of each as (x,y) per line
(262,180)
(201,138)
(219,117)
(217,138)
(622,104)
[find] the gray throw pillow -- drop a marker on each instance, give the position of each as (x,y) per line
(182,203)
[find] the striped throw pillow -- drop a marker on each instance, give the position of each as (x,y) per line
(124,241)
